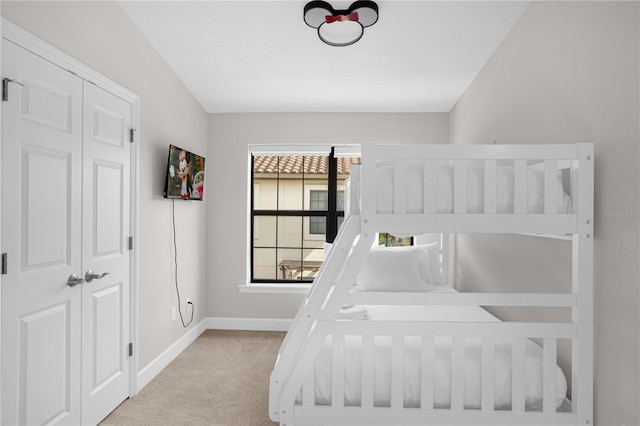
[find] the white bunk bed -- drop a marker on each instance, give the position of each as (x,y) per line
(434,356)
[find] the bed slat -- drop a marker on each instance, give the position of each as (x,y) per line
(426,379)
(399,187)
(337,368)
(490,199)
(520,186)
(550,186)
(308,389)
(430,196)
(488,391)
(460,186)
(457,373)
(367,371)
(397,372)
(518,379)
(549,356)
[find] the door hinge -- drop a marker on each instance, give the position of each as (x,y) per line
(4,263)
(130,243)
(130,349)
(5,88)
(132,133)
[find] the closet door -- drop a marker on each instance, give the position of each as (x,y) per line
(41,229)
(65,223)
(105,307)
(105,253)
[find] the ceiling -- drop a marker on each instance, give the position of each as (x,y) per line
(260,56)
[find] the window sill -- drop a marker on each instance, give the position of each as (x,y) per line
(275,288)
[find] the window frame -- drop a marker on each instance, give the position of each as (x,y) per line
(331,213)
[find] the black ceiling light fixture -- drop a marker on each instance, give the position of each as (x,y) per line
(340,27)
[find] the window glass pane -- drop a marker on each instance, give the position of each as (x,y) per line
(264,264)
(290,231)
(312,261)
(264,231)
(318,199)
(290,264)
(290,193)
(318,225)
(391,241)
(340,201)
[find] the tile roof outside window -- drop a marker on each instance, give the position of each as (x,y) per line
(296,164)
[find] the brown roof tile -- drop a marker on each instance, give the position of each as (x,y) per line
(297,164)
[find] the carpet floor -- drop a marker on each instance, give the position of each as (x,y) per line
(222,378)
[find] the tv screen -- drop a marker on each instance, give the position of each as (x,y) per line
(185,175)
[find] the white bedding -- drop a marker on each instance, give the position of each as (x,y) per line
(474,189)
(442,371)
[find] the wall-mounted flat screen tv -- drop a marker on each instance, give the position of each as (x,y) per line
(184,177)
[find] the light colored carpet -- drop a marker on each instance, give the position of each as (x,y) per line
(222,378)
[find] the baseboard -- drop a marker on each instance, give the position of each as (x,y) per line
(257,324)
(151,370)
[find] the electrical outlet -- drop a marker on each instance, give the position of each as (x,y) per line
(173,313)
(189,306)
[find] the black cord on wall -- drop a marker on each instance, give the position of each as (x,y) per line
(175,260)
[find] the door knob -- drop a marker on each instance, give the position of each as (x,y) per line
(90,276)
(74,280)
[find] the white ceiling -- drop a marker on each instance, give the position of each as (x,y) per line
(260,56)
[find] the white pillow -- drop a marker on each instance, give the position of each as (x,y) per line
(395,269)
(435,265)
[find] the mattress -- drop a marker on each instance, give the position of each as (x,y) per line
(442,368)
(474,189)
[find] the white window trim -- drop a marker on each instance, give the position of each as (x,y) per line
(274,288)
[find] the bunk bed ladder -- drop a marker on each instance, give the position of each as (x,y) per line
(306,317)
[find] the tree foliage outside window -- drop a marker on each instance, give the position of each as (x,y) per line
(389,240)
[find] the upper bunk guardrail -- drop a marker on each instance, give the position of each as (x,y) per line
(473,188)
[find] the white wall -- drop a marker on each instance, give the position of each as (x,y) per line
(100,35)
(569,72)
(229,137)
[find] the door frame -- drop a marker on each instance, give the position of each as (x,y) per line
(39,47)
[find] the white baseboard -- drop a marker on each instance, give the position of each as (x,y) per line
(151,370)
(257,324)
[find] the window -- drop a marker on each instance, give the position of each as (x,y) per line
(297,203)
(389,240)
(318,200)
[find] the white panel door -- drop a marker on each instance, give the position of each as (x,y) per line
(41,228)
(105,308)
(66,196)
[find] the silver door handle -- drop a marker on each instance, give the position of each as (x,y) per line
(90,276)
(74,280)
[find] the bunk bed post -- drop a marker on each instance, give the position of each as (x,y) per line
(582,277)
(351,206)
